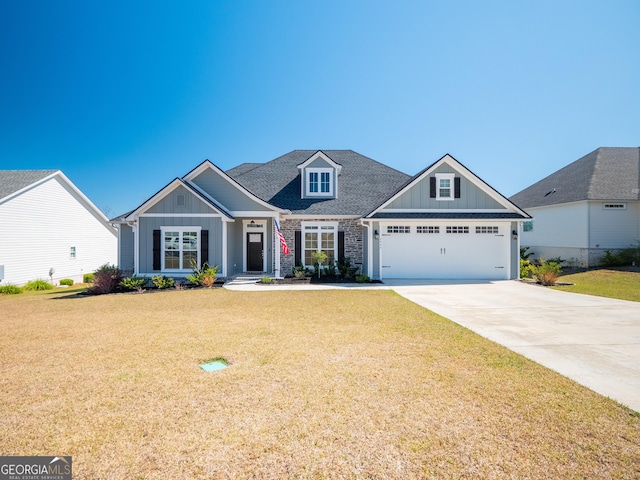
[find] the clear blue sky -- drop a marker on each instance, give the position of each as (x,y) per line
(125,96)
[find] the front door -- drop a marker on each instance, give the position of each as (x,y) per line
(255,252)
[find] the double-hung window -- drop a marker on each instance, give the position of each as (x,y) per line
(180,248)
(319,182)
(444,186)
(321,236)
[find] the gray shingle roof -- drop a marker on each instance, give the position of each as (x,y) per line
(12,181)
(449,216)
(608,173)
(363,183)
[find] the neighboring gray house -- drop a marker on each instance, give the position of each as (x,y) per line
(582,210)
(49,227)
(442,223)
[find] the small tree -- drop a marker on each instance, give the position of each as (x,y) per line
(318,257)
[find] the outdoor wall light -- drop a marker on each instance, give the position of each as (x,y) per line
(514,233)
(376,235)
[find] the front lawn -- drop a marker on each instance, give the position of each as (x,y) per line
(622,283)
(321,384)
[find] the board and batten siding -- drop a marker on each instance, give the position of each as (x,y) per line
(146,226)
(126,250)
(226,193)
(38,229)
(170,204)
(418,197)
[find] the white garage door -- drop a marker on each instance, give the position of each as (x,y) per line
(445,250)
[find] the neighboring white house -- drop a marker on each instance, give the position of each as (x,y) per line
(49,228)
(586,208)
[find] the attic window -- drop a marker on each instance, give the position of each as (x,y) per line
(181,200)
(320,182)
(615,206)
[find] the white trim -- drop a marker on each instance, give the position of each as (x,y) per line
(253,213)
(277,248)
(308,171)
(136,249)
(182,215)
(448,210)
(180,229)
(207,164)
(225,241)
(322,155)
(304,225)
(263,230)
(162,194)
(320,217)
(445,176)
(461,169)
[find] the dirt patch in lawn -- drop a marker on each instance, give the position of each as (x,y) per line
(322,384)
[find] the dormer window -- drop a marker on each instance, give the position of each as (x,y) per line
(319,182)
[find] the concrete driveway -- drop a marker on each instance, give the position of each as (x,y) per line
(592,340)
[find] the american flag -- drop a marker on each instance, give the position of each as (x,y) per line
(283,242)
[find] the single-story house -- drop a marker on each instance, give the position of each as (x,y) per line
(50,229)
(587,207)
(442,223)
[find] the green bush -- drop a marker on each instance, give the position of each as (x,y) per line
(10,290)
(546,273)
(299,272)
(526,269)
(87,278)
(318,257)
(631,254)
(106,279)
(611,259)
(204,276)
(346,269)
(524,253)
(67,281)
(161,281)
(38,285)
(267,280)
(134,283)
(362,279)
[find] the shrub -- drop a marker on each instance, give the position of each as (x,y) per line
(299,272)
(546,273)
(524,255)
(106,279)
(10,290)
(267,280)
(346,269)
(526,269)
(67,281)
(161,281)
(204,276)
(362,279)
(631,254)
(134,283)
(611,259)
(87,278)
(37,285)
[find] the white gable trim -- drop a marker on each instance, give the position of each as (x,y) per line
(323,156)
(462,170)
(208,165)
(70,184)
(163,194)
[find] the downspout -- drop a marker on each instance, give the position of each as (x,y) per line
(225,240)
(136,247)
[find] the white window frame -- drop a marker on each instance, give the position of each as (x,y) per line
(180,230)
(457,229)
(319,172)
(484,229)
(428,229)
(398,229)
(527,226)
(445,176)
(321,226)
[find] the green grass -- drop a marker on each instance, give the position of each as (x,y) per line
(321,384)
(622,283)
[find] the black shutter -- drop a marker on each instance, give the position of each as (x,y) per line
(432,185)
(341,247)
(456,187)
(204,247)
(297,248)
(157,264)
